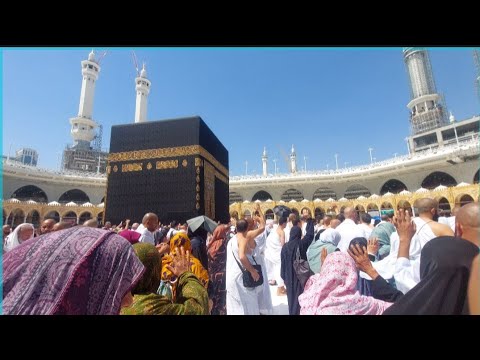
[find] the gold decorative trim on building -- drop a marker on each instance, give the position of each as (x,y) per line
(209,189)
(198,179)
(221,177)
(132,167)
(198,162)
(184,163)
(198,171)
(115,168)
(198,188)
(167,164)
(149,166)
(169,152)
(109,168)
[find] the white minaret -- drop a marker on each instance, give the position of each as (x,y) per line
(293,160)
(264,161)
(83,126)
(426,109)
(143,89)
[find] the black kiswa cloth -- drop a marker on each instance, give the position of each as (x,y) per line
(444,271)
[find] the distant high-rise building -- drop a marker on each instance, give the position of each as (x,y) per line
(81,156)
(427,108)
(27,156)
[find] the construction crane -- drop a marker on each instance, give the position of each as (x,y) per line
(101,57)
(476,58)
(135,62)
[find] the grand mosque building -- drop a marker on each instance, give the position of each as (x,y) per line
(442,163)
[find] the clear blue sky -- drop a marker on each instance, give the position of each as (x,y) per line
(323,100)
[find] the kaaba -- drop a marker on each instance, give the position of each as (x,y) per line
(175,168)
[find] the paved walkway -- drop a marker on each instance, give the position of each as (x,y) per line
(280,303)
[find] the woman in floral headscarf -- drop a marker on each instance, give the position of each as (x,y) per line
(334,290)
(181,239)
(192,298)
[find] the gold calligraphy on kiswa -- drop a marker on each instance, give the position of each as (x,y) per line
(132,167)
(167,164)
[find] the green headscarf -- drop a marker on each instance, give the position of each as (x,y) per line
(151,259)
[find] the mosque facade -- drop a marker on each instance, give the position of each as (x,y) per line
(442,163)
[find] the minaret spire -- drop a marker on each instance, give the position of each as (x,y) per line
(427,111)
(143,89)
(83,126)
(264,162)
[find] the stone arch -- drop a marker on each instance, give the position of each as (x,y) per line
(292,194)
(30,192)
(33,217)
(372,207)
(103,200)
(234,197)
(332,210)
(394,186)
(360,210)
(269,214)
(354,191)
(16,217)
(55,215)
(247,214)
(324,193)
(70,217)
(405,205)
(100,218)
(76,195)
(319,212)
(444,205)
(476,177)
(437,178)
(308,209)
(84,216)
(386,206)
(463,199)
(262,196)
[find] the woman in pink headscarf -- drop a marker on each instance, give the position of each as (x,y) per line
(77,271)
(334,290)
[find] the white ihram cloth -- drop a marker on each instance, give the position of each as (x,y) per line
(147,236)
(13,240)
(365,229)
(264,296)
(348,231)
(273,258)
(240,300)
(405,271)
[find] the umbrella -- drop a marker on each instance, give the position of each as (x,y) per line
(202,221)
(282,211)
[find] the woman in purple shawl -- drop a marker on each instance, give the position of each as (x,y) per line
(77,271)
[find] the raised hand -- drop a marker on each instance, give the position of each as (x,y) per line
(405,226)
(373,245)
(163,248)
(360,255)
(181,262)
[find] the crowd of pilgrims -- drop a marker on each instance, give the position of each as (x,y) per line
(399,265)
